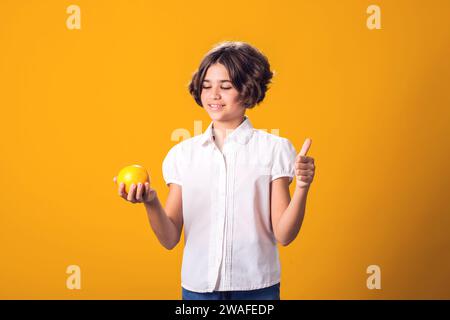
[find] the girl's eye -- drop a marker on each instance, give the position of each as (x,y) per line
(227,88)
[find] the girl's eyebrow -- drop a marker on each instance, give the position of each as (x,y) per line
(206,80)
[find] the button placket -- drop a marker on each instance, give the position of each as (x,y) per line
(229,158)
(230,214)
(220,218)
(214,253)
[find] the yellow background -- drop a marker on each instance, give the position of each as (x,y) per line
(78,105)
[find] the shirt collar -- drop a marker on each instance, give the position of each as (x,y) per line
(241,134)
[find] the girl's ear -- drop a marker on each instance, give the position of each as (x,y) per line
(243,102)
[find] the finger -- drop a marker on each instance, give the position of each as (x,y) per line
(304,173)
(304,159)
(305,147)
(115,179)
(147,189)
(140,188)
(307,173)
(122,189)
(307,179)
(305,166)
(132,193)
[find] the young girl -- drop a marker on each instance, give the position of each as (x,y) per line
(230,185)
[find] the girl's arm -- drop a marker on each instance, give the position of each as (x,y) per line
(167,223)
(286,214)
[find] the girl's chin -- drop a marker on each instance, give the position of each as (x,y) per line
(216,115)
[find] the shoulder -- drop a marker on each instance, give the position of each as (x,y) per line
(186,143)
(272,140)
(184,148)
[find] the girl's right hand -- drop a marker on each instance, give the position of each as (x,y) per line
(142,193)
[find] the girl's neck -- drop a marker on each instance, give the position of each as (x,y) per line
(222,128)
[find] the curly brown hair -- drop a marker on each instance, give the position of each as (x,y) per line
(248,68)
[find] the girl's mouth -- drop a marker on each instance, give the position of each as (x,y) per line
(216,107)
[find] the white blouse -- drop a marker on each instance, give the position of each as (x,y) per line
(228,237)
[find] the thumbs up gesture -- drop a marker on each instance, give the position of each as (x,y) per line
(304,166)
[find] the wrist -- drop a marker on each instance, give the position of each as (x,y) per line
(152,200)
(302,187)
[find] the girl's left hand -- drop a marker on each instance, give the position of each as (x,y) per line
(304,166)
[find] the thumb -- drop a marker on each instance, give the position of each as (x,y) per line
(305,146)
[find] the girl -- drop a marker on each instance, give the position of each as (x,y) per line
(229,186)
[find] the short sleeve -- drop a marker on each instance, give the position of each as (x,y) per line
(284,160)
(171,167)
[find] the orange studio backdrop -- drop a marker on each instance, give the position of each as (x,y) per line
(89,87)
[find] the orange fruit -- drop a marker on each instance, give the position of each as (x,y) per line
(132,174)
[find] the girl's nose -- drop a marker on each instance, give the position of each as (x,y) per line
(215,94)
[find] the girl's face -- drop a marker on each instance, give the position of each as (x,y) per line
(219,97)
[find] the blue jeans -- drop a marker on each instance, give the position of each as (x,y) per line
(269,293)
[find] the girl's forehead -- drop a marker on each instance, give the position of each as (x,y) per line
(217,69)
